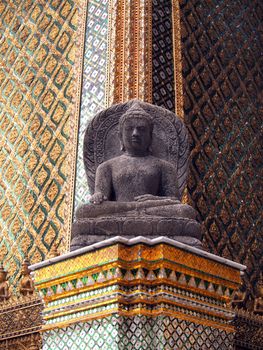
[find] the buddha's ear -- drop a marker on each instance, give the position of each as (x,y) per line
(122,148)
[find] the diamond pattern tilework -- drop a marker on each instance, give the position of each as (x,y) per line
(162,55)
(96,335)
(37,56)
(93,89)
(222,72)
(138,332)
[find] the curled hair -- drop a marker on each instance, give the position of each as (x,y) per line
(132,114)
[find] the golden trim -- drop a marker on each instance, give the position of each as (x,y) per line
(149,87)
(80,300)
(119,53)
(120,281)
(79,309)
(177,55)
(225,272)
(133,282)
(85,289)
(85,318)
(134,58)
(145,52)
(177,314)
(129,294)
(129,66)
(111,53)
(122,256)
(136,300)
(140,311)
(126,77)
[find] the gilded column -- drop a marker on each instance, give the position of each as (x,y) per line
(177,56)
(129,48)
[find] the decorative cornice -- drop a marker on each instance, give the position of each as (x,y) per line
(138,240)
(177,54)
(138,278)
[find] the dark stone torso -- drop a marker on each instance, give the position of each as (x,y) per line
(135,176)
(136,193)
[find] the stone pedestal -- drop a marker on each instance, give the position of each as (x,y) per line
(137,294)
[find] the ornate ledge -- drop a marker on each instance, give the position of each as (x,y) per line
(20,316)
(134,241)
(137,276)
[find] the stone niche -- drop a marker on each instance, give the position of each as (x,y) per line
(131,150)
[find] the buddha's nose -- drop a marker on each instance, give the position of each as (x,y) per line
(135,132)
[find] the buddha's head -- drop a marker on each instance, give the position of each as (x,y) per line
(135,131)
(3,274)
(259,287)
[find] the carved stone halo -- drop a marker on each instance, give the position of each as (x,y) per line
(170,139)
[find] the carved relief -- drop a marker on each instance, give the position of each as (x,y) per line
(27,342)
(20,314)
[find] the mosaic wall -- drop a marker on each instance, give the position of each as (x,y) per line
(37,54)
(162,55)
(222,75)
(139,332)
(93,86)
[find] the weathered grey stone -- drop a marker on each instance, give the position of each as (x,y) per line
(137,184)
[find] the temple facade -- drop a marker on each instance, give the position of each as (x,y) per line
(62,62)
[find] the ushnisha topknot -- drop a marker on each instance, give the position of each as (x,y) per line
(135,111)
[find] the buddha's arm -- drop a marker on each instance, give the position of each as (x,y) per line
(169,181)
(103,183)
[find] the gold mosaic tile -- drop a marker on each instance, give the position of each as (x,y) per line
(37,145)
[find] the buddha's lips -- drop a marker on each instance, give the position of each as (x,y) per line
(136,140)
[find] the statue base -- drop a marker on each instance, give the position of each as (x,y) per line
(137,294)
(89,231)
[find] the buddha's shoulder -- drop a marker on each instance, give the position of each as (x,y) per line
(124,160)
(166,164)
(112,162)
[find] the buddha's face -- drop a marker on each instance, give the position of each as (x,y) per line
(136,135)
(3,275)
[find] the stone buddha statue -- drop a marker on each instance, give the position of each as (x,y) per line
(26,283)
(4,285)
(136,192)
(240,297)
(258,302)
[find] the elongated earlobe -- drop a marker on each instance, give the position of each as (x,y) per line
(122,148)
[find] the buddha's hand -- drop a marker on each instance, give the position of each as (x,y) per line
(97,198)
(148,197)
